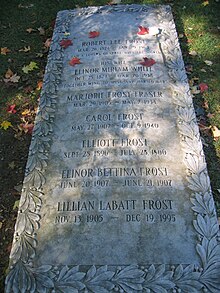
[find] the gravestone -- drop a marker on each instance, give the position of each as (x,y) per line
(116,195)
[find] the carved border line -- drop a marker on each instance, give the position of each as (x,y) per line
(23,277)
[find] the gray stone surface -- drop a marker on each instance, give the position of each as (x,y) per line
(116,195)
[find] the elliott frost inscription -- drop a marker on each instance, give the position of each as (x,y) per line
(116,194)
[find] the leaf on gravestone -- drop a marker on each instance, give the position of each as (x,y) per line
(5,51)
(25,49)
(16,204)
(65,43)
(203,87)
(215,133)
(74,61)
(41,31)
(94,34)
(11,109)
(142,30)
(5,124)
(208,62)
(148,62)
(29,67)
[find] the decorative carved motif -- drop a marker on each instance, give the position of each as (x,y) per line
(204,277)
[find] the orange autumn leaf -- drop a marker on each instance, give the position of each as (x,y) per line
(148,62)
(94,34)
(74,61)
(65,43)
(143,30)
(39,85)
(5,51)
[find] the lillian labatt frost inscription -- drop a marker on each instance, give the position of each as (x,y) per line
(116,194)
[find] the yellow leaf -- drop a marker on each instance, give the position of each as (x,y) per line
(11,165)
(16,204)
(215,132)
(4,51)
(25,112)
(29,67)
(205,3)
(5,124)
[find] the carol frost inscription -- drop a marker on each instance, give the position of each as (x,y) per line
(116,195)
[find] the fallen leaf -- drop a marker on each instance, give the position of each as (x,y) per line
(203,87)
(181,36)
(66,34)
(11,109)
(14,78)
(208,62)
(65,43)
(143,30)
(25,6)
(39,85)
(210,115)
(12,165)
(195,90)
(215,132)
(30,30)
(39,55)
(203,70)
(48,43)
(26,112)
(27,127)
(193,53)
(16,204)
(74,61)
(41,31)
(5,124)
(1,225)
(28,89)
(29,67)
(205,105)
(25,49)
(94,34)
(148,62)
(5,51)
(205,3)
(8,73)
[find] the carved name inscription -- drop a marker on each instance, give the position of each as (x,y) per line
(116,195)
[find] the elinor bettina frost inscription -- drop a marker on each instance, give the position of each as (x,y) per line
(116,195)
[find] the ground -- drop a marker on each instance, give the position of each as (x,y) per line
(26,28)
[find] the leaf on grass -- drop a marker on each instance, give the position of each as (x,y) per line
(5,124)
(30,30)
(41,31)
(26,127)
(74,61)
(94,34)
(11,165)
(148,62)
(203,70)
(25,49)
(208,62)
(5,51)
(48,43)
(203,87)
(26,112)
(143,30)
(195,90)
(11,77)
(215,133)
(11,109)
(16,204)
(65,43)
(205,3)
(193,53)
(39,85)
(29,67)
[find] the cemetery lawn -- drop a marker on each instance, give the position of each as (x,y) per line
(26,28)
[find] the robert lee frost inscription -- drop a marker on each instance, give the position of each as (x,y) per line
(116,195)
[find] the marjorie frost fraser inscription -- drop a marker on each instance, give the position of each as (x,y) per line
(116,194)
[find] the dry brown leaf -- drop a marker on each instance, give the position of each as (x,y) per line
(30,30)
(25,49)
(41,31)
(5,51)
(8,73)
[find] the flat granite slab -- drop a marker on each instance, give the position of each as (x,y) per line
(116,195)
